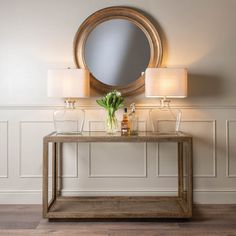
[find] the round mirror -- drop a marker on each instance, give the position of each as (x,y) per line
(110,50)
(116,45)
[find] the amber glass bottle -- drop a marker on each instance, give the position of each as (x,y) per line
(125,126)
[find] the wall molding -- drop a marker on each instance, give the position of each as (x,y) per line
(20,147)
(157,157)
(90,175)
(6,122)
(20,153)
(214,161)
(217,195)
(228,175)
(144,175)
(95,106)
(214,166)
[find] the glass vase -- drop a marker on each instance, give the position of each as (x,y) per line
(69,121)
(111,123)
(165,119)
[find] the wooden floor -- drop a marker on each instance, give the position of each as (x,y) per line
(208,220)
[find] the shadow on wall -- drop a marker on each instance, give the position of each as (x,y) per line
(161,33)
(204,85)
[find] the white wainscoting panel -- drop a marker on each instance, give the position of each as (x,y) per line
(231,148)
(166,160)
(3,149)
(70,160)
(204,146)
(31,147)
(31,151)
(124,160)
(117,168)
(204,150)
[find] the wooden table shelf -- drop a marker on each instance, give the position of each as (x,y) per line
(118,207)
(86,207)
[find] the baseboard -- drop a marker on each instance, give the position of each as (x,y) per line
(35,196)
(215,197)
(20,197)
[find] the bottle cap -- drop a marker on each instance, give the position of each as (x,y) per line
(125,110)
(133,108)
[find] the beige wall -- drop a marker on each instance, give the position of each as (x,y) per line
(38,35)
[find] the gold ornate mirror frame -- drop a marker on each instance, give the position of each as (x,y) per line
(118,13)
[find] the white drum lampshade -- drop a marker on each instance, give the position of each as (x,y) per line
(68,83)
(166,82)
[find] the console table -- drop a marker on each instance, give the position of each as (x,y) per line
(82,207)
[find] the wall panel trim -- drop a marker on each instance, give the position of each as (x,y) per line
(6,122)
(214,165)
(228,175)
(144,175)
(95,106)
(20,153)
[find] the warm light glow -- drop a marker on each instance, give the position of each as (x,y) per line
(166,82)
(68,83)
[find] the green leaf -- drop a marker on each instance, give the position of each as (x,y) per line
(108,100)
(117,102)
(101,103)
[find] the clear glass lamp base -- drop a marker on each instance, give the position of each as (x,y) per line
(165,119)
(69,121)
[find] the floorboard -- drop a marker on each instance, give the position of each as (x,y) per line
(207,220)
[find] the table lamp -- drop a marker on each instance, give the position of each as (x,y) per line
(70,84)
(165,83)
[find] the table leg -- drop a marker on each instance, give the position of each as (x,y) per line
(180,170)
(54,171)
(59,169)
(190,176)
(45,178)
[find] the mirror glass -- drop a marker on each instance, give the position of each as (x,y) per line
(116,52)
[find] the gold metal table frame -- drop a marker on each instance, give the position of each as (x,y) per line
(88,207)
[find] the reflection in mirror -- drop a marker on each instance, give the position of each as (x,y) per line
(116,52)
